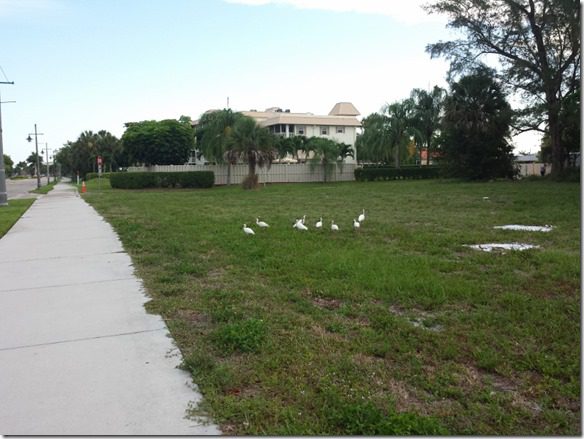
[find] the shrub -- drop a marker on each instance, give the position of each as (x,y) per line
(92,175)
(373,173)
(145,180)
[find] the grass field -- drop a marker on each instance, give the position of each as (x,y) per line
(397,328)
(11,213)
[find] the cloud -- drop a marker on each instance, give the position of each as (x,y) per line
(405,11)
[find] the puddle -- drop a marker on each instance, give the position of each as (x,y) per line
(502,247)
(545,228)
(424,321)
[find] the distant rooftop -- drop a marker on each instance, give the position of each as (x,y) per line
(344,109)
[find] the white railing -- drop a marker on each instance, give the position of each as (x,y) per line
(278,173)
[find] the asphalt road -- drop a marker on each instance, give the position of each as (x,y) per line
(20,188)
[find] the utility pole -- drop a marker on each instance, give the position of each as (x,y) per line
(36,143)
(3,194)
(48,164)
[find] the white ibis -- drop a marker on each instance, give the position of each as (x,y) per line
(361,217)
(303,218)
(334,227)
(301,226)
(261,223)
(318,224)
(247,230)
(356,224)
(296,222)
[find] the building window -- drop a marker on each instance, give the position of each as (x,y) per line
(324,131)
(291,129)
(340,130)
(301,130)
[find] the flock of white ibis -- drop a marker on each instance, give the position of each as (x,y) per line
(300,224)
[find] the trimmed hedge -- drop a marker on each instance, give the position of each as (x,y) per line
(144,180)
(92,175)
(373,173)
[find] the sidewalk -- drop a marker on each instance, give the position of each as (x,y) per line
(79,355)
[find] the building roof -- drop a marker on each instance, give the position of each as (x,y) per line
(342,114)
(344,109)
(526,158)
(268,119)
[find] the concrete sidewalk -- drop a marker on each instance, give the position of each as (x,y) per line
(79,355)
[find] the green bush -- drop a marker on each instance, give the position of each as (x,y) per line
(145,180)
(373,173)
(92,175)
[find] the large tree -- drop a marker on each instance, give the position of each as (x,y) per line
(537,45)
(386,136)
(476,128)
(427,112)
(253,144)
(165,142)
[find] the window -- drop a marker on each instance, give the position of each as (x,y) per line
(324,131)
(301,130)
(340,130)
(291,129)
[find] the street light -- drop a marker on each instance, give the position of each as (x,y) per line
(38,166)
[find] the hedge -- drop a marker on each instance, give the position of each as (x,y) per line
(92,175)
(143,180)
(371,173)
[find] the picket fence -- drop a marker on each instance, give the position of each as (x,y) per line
(277,173)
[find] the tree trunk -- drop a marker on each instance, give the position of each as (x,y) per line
(555,138)
(228,173)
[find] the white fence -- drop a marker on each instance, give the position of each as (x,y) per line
(526,169)
(278,173)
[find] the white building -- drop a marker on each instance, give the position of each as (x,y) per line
(340,124)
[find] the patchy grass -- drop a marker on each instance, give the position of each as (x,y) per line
(397,328)
(11,213)
(44,189)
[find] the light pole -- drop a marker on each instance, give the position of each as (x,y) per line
(48,163)
(3,194)
(36,143)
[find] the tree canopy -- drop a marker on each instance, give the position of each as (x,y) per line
(537,45)
(165,142)
(476,128)
(253,144)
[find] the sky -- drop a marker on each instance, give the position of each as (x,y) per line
(80,65)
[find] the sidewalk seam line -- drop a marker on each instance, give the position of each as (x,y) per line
(74,340)
(68,285)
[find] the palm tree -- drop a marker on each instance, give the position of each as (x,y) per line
(398,129)
(326,153)
(212,136)
(253,144)
(427,111)
(373,144)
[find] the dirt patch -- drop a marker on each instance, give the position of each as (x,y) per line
(330,304)
(193,317)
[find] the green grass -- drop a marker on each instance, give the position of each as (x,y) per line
(44,189)
(11,213)
(395,329)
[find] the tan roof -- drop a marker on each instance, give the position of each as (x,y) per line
(344,109)
(268,118)
(307,119)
